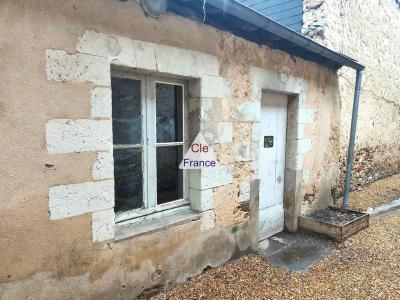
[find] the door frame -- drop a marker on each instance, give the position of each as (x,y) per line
(296,89)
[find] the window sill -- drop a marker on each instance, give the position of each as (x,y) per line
(127,216)
(155,222)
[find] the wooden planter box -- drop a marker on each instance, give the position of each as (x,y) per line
(338,232)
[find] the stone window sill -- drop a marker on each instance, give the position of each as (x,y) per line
(155,222)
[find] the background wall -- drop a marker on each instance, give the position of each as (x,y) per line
(369,31)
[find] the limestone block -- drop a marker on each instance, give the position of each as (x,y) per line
(305,115)
(61,66)
(246,151)
(304,146)
(145,55)
(263,79)
(255,132)
(127,56)
(101,102)
(254,166)
(202,179)
(291,145)
(306,175)
(224,132)
(256,93)
(205,64)
(167,59)
(66,136)
(103,167)
(207,220)
(201,200)
(294,161)
(301,99)
(98,43)
(210,87)
(248,111)
(295,131)
(80,198)
(217,132)
(222,109)
(118,50)
(191,63)
(206,108)
(244,191)
(103,225)
(215,109)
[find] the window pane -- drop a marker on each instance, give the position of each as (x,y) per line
(169,176)
(128,178)
(126,111)
(169,104)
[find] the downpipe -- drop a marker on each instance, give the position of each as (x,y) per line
(350,153)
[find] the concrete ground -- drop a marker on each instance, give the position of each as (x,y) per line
(297,252)
(380,192)
(365,266)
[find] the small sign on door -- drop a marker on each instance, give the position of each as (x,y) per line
(268,141)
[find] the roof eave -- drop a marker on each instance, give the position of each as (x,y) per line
(246,14)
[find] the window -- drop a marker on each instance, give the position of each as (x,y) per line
(148,115)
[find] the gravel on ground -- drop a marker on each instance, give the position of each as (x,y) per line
(365,266)
(379,192)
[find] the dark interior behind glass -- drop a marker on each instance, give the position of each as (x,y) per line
(127,130)
(169,110)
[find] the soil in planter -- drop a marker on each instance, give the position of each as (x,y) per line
(336,217)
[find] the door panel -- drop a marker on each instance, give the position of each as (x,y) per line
(272,162)
(271,221)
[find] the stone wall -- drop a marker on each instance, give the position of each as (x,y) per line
(56,215)
(369,31)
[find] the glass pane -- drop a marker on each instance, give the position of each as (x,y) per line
(169,176)
(126,111)
(169,113)
(128,179)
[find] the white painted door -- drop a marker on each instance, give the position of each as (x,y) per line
(272,163)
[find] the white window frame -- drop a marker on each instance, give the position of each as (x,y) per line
(149,146)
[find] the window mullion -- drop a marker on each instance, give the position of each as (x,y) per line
(151,199)
(144,141)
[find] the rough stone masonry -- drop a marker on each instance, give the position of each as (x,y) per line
(369,31)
